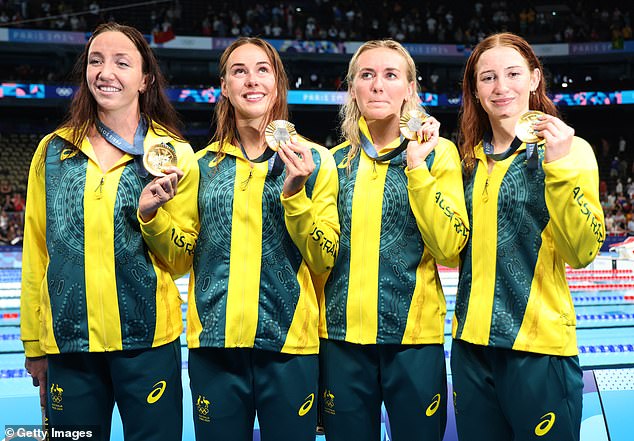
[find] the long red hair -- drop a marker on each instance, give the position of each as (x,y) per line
(473,120)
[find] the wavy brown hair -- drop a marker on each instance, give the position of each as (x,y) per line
(349,113)
(473,120)
(224,114)
(153,102)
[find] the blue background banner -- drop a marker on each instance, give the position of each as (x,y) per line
(211,95)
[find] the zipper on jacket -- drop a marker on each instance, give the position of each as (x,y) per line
(106,343)
(99,189)
(485,192)
(244,184)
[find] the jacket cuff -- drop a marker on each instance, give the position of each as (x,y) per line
(418,177)
(157,225)
(567,165)
(296,204)
(32,349)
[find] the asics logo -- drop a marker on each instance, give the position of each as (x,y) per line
(308,403)
(433,407)
(157,392)
(545,425)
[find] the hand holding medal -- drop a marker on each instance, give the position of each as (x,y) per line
(160,160)
(281,136)
(423,132)
(535,126)
(411,124)
(524,129)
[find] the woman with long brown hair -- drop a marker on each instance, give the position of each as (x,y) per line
(268,219)
(100,312)
(531,189)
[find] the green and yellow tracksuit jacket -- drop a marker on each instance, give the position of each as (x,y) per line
(251,282)
(90,283)
(526,224)
(396,225)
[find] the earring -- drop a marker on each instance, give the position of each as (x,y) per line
(532,92)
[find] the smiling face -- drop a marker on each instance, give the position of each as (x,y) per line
(114,73)
(380,86)
(249,83)
(503,83)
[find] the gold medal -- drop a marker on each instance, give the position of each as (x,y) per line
(524,127)
(158,157)
(278,131)
(411,122)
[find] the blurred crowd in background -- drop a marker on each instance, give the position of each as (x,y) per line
(438,22)
(456,22)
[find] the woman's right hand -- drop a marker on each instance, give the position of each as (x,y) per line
(158,192)
(37,367)
(428,134)
(299,163)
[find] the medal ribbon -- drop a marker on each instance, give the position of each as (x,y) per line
(276,165)
(113,138)
(135,149)
(488,148)
(370,149)
(532,154)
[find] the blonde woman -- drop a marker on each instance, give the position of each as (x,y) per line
(402,211)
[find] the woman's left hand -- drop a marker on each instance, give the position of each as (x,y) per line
(299,165)
(158,192)
(428,135)
(557,134)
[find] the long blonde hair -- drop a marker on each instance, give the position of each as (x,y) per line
(349,113)
(225,117)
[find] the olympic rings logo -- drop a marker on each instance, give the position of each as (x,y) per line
(64,91)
